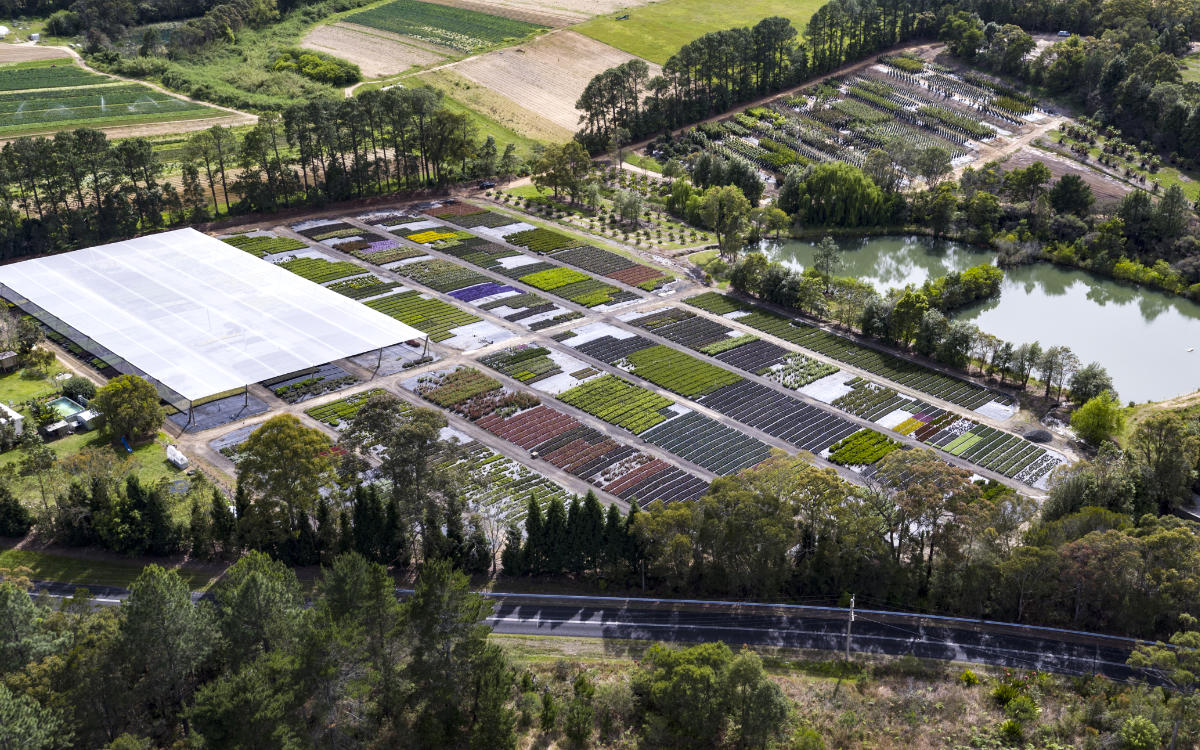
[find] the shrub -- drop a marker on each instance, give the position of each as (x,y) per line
(77,387)
(318,66)
(1022,708)
(968,678)
(1005,693)
(1011,731)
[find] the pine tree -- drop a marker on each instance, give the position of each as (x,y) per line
(512,558)
(535,539)
(224,525)
(199,532)
(614,540)
(591,532)
(557,542)
(573,559)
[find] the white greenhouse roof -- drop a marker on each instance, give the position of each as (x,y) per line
(197,315)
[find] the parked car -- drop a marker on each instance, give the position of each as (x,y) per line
(485,184)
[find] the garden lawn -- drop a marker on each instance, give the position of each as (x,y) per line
(15,388)
(48,566)
(149,461)
(657,31)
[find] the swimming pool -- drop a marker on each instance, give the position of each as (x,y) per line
(65,407)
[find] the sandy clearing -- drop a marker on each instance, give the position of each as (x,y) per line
(25,52)
(1106,188)
(375,54)
(546,12)
(500,108)
(546,75)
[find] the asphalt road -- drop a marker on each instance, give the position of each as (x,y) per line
(967,641)
(820,628)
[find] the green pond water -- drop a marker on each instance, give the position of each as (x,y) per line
(1141,336)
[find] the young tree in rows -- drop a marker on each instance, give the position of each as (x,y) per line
(1168,450)
(130,408)
(725,211)
(284,465)
(592,193)
(1089,382)
(1099,419)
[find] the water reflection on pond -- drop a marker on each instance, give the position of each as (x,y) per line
(1141,336)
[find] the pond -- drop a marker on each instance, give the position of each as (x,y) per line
(1141,336)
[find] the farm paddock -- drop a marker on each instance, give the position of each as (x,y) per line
(376,53)
(546,75)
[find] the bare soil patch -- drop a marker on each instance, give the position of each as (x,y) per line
(546,75)
(546,12)
(26,52)
(1107,189)
(497,106)
(377,55)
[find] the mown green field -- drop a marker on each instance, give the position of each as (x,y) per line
(657,31)
(50,95)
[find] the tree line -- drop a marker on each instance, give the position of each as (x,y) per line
(79,189)
(712,73)
(919,536)
(258,666)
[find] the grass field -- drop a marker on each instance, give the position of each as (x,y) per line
(657,31)
(485,126)
(47,95)
(48,566)
(457,28)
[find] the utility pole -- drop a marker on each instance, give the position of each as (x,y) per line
(849,622)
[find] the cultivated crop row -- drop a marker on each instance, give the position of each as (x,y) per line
(338,413)
(362,287)
(320,271)
(432,316)
(445,25)
(863,448)
(618,402)
(560,439)
(837,347)
(260,246)
(469,286)
(777,414)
